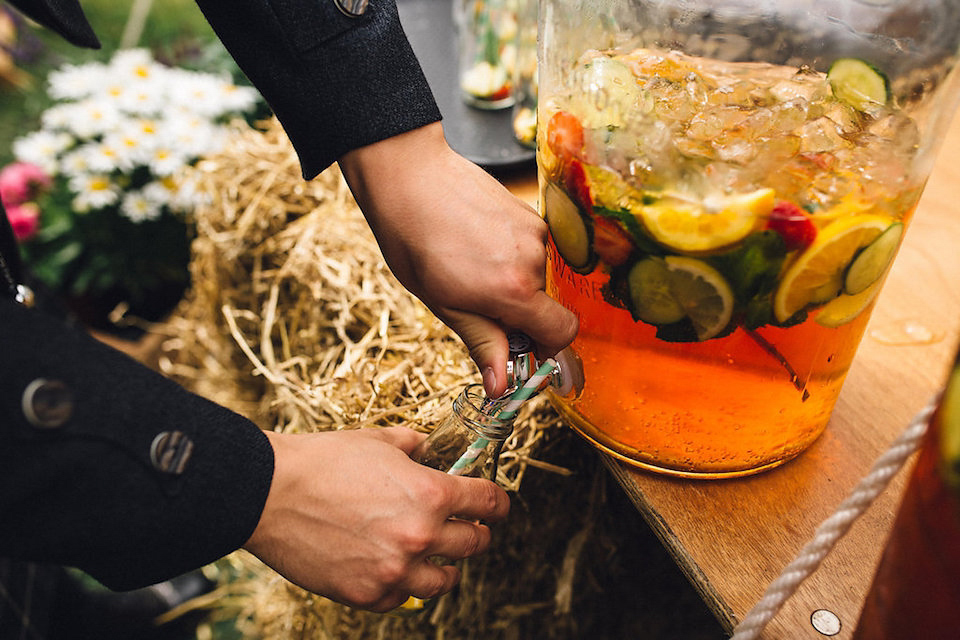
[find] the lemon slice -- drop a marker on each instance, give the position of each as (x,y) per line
(817,275)
(695,226)
(702,293)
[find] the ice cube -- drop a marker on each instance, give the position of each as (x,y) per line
(735,147)
(846,117)
(707,125)
(735,94)
(759,123)
(821,134)
(897,129)
(789,116)
(695,148)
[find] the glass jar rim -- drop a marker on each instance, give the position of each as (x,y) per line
(469,408)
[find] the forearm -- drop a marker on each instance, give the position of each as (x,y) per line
(335,83)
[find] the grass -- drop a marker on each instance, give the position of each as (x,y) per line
(175,30)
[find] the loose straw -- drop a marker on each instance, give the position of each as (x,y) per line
(508,412)
(835,527)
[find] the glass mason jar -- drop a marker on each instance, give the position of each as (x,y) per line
(525,75)
(468,440)
(726,184)
(486,38)
(916,588)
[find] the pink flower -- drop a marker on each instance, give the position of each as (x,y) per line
(25,219)
(20,182)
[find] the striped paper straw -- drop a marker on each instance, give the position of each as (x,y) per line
(508,412)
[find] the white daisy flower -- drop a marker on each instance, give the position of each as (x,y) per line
(59,116)
(75,163)
(109,155)
(160,192)
(142,98)
(138,207)
(89,118)
(192,134)
(42,148)
(188,195)
(73,82)
(93,191)
(234,98)
(130,151)
(164,161)
(113,90)
(133,64)
(198,92)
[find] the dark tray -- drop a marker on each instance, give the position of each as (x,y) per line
(485,137)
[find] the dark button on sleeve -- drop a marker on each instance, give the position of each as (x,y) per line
(47,404)
(170,451)
(352,8)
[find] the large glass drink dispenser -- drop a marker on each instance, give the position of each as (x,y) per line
(726,185)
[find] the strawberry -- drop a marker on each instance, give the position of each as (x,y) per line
(501,94)
(793,224)
(565,136)
(575,184)
(612,244)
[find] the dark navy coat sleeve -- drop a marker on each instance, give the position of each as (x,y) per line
(108,466)
(335,82)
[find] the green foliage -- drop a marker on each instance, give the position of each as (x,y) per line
(102,255)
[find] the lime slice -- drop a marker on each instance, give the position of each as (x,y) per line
(570,228)
(695,226)
(651,294)
(858,83)
(703,293)
(845,308)
(872,262)
(817,275)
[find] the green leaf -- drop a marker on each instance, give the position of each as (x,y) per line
(490,45)
(753,267)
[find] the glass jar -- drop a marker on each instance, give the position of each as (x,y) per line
(726,185)
(468,440)
(916,588)
(525,75)
(486,38)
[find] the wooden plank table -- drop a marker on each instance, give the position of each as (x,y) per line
(732,538)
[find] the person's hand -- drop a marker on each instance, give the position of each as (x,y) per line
(351,517)
(461,242)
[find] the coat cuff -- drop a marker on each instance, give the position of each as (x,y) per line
(130,477)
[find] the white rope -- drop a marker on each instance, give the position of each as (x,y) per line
(835,527)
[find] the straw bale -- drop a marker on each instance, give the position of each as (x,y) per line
(294,320)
